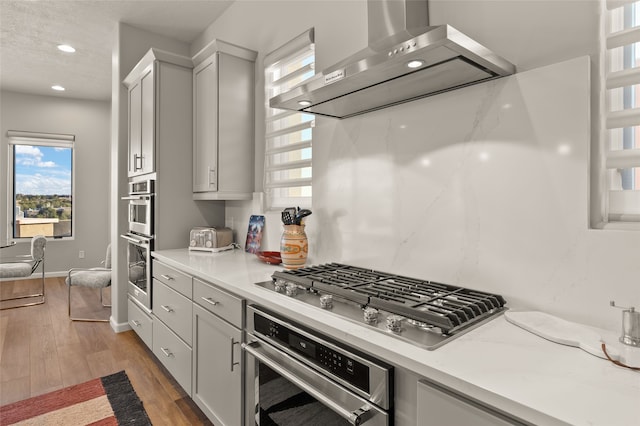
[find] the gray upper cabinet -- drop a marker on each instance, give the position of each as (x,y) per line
(152,106)
(223,122)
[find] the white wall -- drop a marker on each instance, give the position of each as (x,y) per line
(89,122)
(375,206)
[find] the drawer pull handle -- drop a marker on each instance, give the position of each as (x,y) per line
(167,308)
(233,342)
(167,352)
(136,323)
(167,277)
(210,301)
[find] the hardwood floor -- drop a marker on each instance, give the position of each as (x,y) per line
(41,350)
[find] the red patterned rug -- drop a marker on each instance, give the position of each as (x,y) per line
(110,400)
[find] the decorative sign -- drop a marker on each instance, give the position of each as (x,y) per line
(254,234)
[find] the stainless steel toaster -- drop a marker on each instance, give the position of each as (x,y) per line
(210,239)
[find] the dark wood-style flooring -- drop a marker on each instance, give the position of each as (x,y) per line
(41,350)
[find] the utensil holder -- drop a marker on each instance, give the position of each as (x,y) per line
(294,247)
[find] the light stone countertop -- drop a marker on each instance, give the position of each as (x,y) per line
(498,363)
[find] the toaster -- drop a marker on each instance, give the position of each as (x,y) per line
(210,239)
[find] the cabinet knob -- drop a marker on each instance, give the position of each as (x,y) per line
(167,308)
(167,352)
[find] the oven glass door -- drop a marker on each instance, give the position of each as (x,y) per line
(288,392)
(141,214)
(280,402)
(139,268)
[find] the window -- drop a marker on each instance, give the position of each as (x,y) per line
(289,134)
(41,184)
(622,118)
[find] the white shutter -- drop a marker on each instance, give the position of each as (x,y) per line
(622,120)
(289,134)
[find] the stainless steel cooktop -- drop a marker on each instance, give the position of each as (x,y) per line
(422,312)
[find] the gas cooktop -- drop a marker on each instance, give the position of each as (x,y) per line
(422,312)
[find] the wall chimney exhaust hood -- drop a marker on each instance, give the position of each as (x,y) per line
(405,59)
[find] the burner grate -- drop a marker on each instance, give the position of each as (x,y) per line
(439,305)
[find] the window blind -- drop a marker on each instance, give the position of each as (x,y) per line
(289,134)
(622,111)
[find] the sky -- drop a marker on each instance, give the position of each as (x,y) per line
(42,170)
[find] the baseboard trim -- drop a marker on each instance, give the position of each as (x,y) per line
(119,327)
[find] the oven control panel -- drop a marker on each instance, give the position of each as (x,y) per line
(328,357)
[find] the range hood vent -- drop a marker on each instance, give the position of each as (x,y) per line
(406,59)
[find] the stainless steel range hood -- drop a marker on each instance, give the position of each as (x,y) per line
(381,75)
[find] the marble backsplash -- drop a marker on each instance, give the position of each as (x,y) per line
(484,187)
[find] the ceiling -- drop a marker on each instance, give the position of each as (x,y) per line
(31,30)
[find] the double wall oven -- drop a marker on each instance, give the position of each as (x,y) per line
(140,238)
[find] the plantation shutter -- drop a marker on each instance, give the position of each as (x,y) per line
(289,134)
(622,113)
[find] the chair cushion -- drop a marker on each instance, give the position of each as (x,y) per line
(94,279)
(15,270)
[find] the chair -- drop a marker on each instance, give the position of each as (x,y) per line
(24,266)
(99,278)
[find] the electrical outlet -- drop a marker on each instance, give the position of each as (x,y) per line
(81,254)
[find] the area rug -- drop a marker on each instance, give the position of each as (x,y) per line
(110,400)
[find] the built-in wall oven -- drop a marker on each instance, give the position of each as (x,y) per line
(141,202)
(297,376)
(140,239)
(139,268)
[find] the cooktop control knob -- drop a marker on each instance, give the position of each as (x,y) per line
(370,315)
(326,301)
(394,323)
(280,285)
(291,289)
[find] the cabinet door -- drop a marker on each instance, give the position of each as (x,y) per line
(440,407)
(217,368)
(174,354)
(148,122)
(205,125)
(140,322)
(135,116)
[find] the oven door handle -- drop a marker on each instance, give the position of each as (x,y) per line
(137,198)
(355,417)
(141,242)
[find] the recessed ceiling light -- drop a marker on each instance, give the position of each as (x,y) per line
(415,63)
(58,88)
(66,48)
(304,103)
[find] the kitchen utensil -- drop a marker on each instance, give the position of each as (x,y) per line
(301,214)
(560,331)
(288,216)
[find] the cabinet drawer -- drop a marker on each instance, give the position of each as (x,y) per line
(173,309)
(140,322)
(175,279)
(225,305)
(174,354)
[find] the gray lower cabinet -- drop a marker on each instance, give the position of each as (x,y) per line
(172,332)
(140,322)
(217,368)
(439,406)
(196,335)
(173,353)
